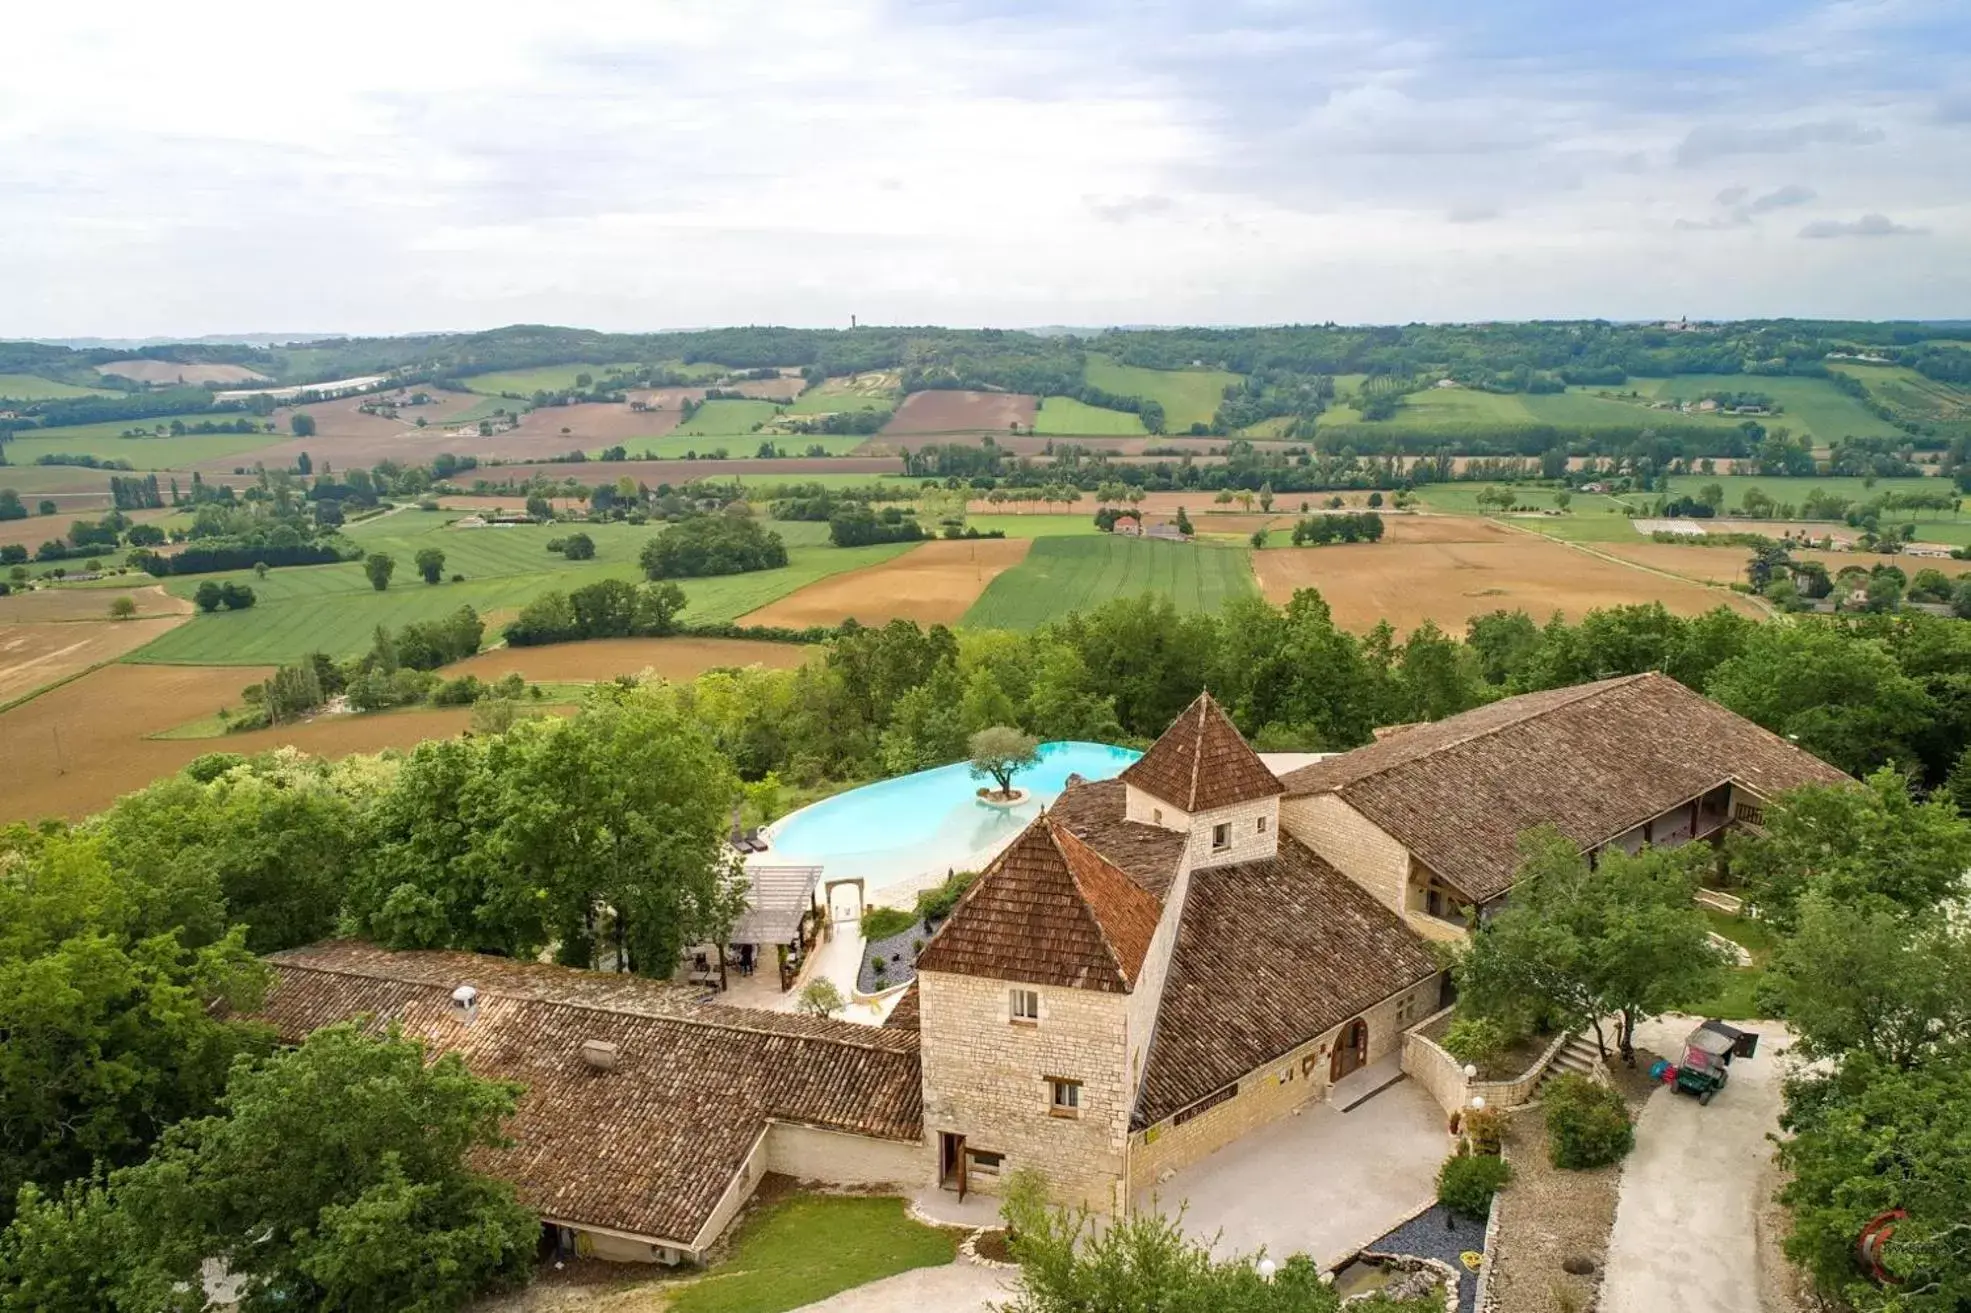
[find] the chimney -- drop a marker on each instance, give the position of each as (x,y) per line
(600,1054)
(465,1004)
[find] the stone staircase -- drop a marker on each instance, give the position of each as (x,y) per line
(1577,1057)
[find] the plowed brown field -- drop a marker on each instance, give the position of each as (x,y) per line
(1407,583)
(932,584)
(45,604)
(170,371)
(77,748)
(36,655)
(605,658)
(961,412)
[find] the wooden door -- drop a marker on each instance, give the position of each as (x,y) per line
(1351,1050)
(951,1162)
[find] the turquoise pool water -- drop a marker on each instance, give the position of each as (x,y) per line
(925,824)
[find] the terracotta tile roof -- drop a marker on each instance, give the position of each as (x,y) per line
(1596,760)
(649,1147)
(1202,762)
(1094,813)
(1270,954)
(1049,910)
(908,1014)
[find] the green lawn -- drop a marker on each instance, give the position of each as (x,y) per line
(805,1248)
(727,418)
(1189,396)
(102,442)
(1065,415)
(32,387)
(548,378)
(1737,995)
(1065,574)
(333,608)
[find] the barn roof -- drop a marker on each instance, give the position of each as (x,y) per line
(646,1148)
(1596,760)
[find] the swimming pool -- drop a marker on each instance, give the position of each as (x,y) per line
(910,830)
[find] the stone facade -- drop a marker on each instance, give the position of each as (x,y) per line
(987,1078)
(810,1153)
(1352,844)
(1269,1093)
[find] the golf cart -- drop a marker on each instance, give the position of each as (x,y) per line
(1708,1052)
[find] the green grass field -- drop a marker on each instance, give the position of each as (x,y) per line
(333,609)
(1189,396)
(838,395)
(1066,416)
(831,481)
(486,408)
(744,446)
(1073,573)
(1911,394)
(1036,526)
(548,378)
(32,387)
(1809,405)
(804,1248)
(727,419)
(102,442)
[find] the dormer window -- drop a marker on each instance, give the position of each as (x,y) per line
(1221,837)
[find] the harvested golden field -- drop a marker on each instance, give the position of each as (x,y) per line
(48,604)
(1726,565)
(1407,583)
(36,655)
(76,749)
(605,658)
(932,584)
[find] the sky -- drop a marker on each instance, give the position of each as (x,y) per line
(430,165)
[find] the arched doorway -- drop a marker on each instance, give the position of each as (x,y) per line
(844,899)
(1351,1050)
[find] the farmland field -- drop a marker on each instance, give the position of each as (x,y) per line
(102,442)
(170,371)
(933,583)
(333,609)
(1795,491)
(1065,415)
(1492,569)
(1076,574)
(727,419)
(548,378)
(35,655)
(1911,394)
(874,391)
(944,411)
(1808,405)
(32,387)
(1035,526)
(1188,396)
(605,658)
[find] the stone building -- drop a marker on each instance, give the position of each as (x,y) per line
(1157,965)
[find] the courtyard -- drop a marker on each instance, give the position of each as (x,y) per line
(1321,1182)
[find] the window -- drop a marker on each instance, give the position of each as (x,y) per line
(1406,1010)
(1026,1007)
(1064,1097)
(1221,836)
(980,1163)
(1262,825)
(1156,814)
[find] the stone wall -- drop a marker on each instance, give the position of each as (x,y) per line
(1250,843)
(1266,1094)
(986,1078)
(1427,1063)
(1353,845)
(809,1153)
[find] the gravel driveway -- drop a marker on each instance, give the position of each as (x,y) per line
(1687,1221)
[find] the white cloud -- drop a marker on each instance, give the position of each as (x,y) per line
(1869,225)
(399,167)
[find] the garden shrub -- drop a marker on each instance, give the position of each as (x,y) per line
(1587,1124)
(1467,1182)
(882,922)
(1475,1040)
